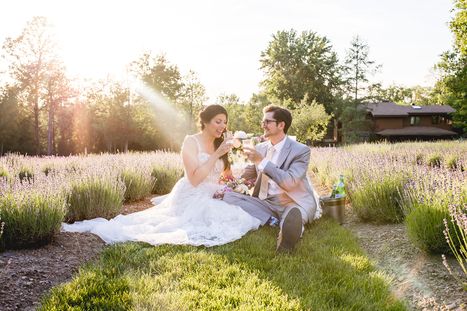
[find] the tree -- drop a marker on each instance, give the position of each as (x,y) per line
(451,87)
(358,65)
(30,56)
(163,78)
(309,121)
(192,98)
(296,65)
(159,74)
(58,91)
(401,95)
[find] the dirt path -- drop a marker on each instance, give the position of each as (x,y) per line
(27,274)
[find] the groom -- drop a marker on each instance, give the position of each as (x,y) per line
(282,189)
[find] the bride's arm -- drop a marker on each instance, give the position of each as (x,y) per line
(195,172)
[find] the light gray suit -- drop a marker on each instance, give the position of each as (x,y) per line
(290,174)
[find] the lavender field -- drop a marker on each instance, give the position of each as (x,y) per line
(421,184)
(38,194)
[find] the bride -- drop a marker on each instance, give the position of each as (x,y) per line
(189,214)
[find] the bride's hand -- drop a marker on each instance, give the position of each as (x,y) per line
(224,148)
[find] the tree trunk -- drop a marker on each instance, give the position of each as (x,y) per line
(50,129)
(36,125)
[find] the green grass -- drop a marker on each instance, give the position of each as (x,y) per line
(328,271)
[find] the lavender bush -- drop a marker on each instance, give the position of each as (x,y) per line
(94,197)
(456,237)
(165,178)
(32,217)
(138,185)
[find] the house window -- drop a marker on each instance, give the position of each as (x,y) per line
(414,120)
(435,119)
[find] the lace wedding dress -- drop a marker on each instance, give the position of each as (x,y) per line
(188,215)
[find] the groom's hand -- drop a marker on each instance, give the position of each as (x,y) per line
(252,155)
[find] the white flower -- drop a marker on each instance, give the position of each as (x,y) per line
(240,135)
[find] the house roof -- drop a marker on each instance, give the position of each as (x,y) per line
(390,109)
(416,131)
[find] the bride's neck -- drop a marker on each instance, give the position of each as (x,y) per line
(208,139)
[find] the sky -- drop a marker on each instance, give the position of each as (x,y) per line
(221,41)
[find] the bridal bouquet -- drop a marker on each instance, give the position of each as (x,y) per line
(232,184)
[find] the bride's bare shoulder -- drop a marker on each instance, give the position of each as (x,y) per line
(189,141)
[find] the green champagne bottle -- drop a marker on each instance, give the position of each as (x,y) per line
(340,189)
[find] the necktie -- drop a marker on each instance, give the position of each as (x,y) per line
(263,190)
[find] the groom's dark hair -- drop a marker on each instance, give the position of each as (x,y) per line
(280,115)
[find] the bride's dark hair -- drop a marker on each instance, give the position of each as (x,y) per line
(205,116)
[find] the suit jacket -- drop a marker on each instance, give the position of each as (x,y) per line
(290,174)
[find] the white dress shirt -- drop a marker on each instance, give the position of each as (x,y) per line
(273,188)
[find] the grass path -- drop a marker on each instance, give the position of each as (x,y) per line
(328,271)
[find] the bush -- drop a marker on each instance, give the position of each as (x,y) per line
(457,240)
(378,200)
(165,178)
(26,174)
(137,185)
(47,169)
(453,163)
(434,160)
(91,198)
(31,218)
(427,210)
(425,226)
(3,173)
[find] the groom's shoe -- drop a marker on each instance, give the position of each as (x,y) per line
(291,231)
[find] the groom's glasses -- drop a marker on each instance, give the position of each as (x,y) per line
(266,121)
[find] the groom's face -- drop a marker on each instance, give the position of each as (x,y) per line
(270,125)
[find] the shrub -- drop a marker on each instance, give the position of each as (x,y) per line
(425,225)
(453,163)
(137,185)
(31,218)
(47,169)
(165,178)
(378,199)
(91,198)
(3,173)
(419,158)
(26,174)
(457,239)
(434,160)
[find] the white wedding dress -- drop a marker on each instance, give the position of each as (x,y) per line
(188,215)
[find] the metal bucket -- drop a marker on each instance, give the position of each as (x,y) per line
(334,208)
